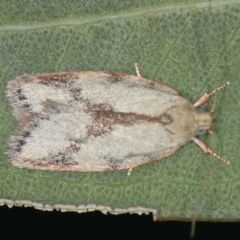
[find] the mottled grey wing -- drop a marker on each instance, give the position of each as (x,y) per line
(90,121)
(65,138)
(27,92)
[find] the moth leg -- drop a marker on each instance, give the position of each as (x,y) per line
(129,171)
(206,96)
(206,149)
(137,70)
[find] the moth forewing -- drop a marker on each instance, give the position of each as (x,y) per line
(83,132)
(75,121)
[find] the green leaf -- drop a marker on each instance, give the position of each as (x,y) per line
(171,42)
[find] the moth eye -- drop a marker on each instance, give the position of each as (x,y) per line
(201,132)
(200,109)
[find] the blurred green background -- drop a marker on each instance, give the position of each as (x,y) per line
(170,42)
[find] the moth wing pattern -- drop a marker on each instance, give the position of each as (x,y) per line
(26,92)
(95,121)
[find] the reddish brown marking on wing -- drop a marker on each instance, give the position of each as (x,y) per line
(63,77)
(115,77)
(104,118)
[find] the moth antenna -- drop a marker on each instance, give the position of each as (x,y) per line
(213,114)
(214,102)
(206,149)
(215,91)
(206,96)
(211,132)
(218,156)
(212,53)
(193,228)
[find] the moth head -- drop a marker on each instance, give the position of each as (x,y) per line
(203,120)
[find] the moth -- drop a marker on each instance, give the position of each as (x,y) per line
(100,121)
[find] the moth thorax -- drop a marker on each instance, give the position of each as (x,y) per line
(204,120)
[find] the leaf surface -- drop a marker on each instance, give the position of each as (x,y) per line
(170,42)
